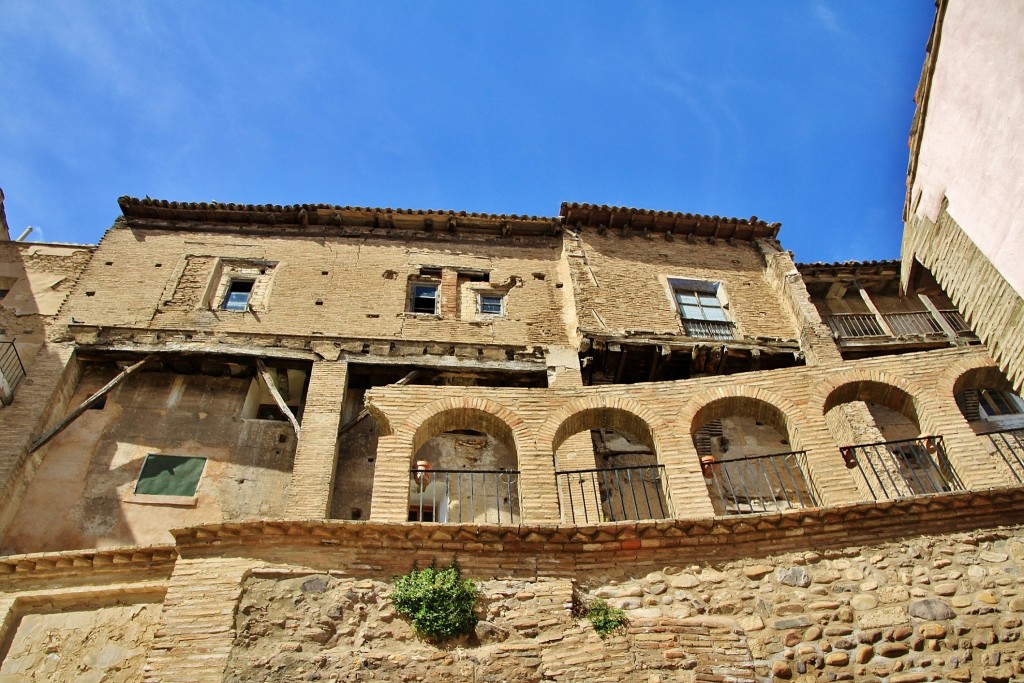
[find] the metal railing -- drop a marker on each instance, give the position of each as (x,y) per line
(612,494)
(956,321)
(900,469)
(854,325)
(760,483)
(464,496)
(707,329)
(11,371)
(915,322)
(1009,445)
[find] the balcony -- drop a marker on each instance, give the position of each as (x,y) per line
(464,496)
(1009,447)
(11,372)
(900,469)
(612,494)
(864,334)
(758,484)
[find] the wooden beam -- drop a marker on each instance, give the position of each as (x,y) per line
(365,412)
(272,386)
(73,415)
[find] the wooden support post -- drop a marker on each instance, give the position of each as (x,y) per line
(365,412)
(947,329)
(882,322)
(272,386)
(44,439)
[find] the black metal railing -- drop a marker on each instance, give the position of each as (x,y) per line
(707,329)
(1009,446)
(916,322)
(11,371)
(464,496)
(851,325)
(760,483)
(900,469)
(612,494)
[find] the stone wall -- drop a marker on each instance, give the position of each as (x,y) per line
(944,607)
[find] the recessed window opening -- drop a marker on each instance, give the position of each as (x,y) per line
(701,309)
(170,475)
(237,297)
(492,304)
(424,298)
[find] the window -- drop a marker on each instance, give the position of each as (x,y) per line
(492,304)
(701,309)
(170,475)
(997,402)
(424,298)
(237,296)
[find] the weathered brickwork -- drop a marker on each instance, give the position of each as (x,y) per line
(339,362)
(621,284)
(342,287)
(993,308)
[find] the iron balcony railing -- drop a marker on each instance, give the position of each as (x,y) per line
(707,329)
(900,469)
(760,483)
(915,322)
(1009,445)
(851,325)
(956,321)
(11,371)
(464,496)
(612,494)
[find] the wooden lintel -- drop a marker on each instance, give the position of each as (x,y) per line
(84,405)
(276,393)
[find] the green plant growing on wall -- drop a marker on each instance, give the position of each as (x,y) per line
(604,618)
(438,602)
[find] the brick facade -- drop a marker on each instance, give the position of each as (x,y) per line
(326,303)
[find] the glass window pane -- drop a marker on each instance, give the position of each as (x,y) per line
(490,304)
(709,300)
(686,297)
(693,312)
(715,314)
(426,291)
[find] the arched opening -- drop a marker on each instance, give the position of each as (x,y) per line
(879,431)
(987,401)
(607,468)
(747,460)
(464,470)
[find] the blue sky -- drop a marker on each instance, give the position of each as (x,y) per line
(795,112)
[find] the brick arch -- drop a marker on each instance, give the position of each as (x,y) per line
(760,404)
(383,423)
(886,390)
(602,412)
(478,414)
(977,372)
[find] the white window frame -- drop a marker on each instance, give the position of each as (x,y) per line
(704,293)
(226,303)
(491,295)
(413,286)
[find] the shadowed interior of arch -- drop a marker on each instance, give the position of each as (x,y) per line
(879,429)
(607,468)
(747,459)
(464,470)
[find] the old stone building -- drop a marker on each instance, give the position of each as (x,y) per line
(245,420)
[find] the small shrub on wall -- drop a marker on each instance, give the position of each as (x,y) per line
(438,602)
